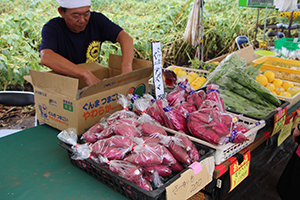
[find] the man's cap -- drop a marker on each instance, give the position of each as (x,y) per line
(73,3)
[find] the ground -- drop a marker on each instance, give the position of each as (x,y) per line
(17,117)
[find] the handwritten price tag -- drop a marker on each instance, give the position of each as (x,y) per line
(239,172)
(157,70)
(285,131)
(279,120)
(188,184)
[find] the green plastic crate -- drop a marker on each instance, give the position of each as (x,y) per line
(289,43)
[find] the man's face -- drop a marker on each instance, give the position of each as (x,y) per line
(76,18)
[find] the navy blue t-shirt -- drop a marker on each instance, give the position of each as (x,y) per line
(82,47)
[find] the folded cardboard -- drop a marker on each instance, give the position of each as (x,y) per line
(247,53)
(64,102)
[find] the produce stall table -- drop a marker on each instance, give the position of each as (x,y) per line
(34,166)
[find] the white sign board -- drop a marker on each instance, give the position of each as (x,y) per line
(157,70)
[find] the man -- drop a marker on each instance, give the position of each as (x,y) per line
(76,37)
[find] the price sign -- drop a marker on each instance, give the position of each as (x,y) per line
(286,130)
(157,70)
(279,120)
(239,172)
(297,119)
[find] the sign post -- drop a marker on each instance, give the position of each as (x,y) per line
(157,70)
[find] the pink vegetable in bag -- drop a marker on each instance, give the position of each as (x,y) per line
(125,130)
(128,171)
(92,135)
(99,148)
(198,116)
(162,170)
(121,114)
(156,111)
(220,128)
(177,95)
(213,94)
(185,108)
(118,141)
(190,148)
(145,154)
(199,131)
(179,153)
(177,167)
(150,129)
(174,119)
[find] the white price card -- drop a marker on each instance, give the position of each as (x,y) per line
(157,70)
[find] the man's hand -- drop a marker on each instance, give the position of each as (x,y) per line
(90,78)
(61,65)
(126,43)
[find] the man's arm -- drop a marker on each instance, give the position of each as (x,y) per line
(61,65)
(126,43)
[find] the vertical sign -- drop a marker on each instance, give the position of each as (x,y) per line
(239,172)
(157,70)
(286,131)
(279,120)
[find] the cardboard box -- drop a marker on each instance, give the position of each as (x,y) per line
(64,102)
(247,53)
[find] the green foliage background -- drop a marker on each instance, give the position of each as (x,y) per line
(21,22)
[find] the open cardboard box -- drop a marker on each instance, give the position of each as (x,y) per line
(63,102)
(247,53)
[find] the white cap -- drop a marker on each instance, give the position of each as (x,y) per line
(73,3)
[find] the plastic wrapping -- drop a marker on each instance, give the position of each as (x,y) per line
(80,151)
(113,148)
(125,113)
(128,171)
(156,111)
(174,119)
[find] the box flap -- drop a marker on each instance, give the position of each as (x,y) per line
(115,62)
(55,82)
(28,78)
(116,81)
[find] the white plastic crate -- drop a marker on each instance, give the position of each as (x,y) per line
(168,89)
(223,152)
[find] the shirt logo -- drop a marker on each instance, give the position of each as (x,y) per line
(93,52)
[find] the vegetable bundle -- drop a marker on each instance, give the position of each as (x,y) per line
(240,91)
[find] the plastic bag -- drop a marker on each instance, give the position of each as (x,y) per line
(125,113)
(80,151)
(128,171)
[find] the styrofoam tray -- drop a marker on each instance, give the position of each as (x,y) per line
(226,151)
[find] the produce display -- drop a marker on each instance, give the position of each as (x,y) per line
(133,145)
(239,89)
(277,86)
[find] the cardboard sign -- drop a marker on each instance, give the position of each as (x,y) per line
(191,180)
(188,184)
(239,172)
(157,70)
(286,130)
(279,120)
